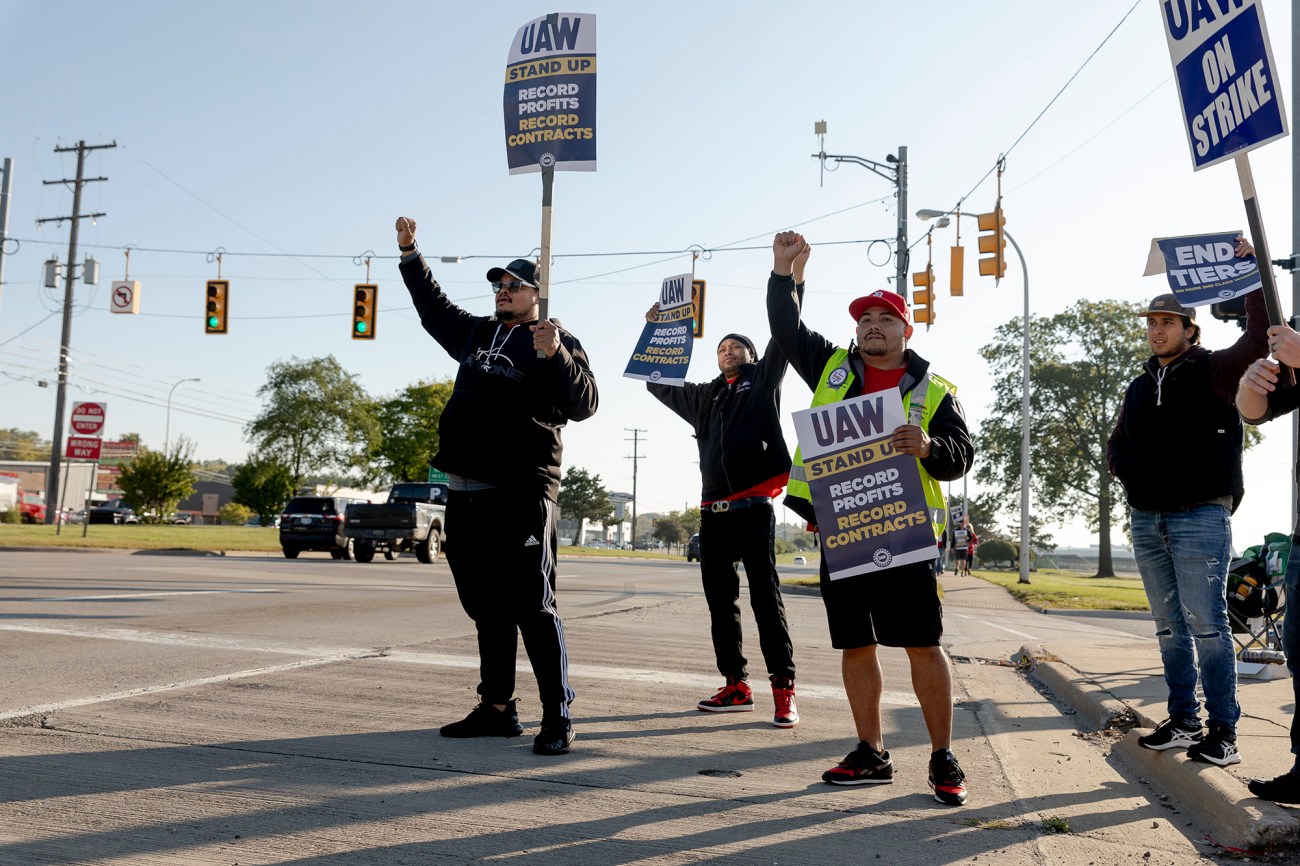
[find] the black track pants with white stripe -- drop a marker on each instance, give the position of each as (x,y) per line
(501,547)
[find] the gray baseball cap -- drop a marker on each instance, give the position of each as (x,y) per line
(1167,303)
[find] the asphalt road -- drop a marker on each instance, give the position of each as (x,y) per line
(249,709)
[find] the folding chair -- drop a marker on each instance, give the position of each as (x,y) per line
(1257,605)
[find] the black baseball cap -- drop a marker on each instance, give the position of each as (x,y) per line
(1168,303)
(520,269)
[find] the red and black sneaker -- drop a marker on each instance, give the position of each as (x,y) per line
(946,779)
(735,697)
(786,714)
(863,766)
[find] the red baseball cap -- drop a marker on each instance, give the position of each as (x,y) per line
(880,298)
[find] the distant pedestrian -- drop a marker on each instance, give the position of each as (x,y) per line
(744,464)
(1259,399)
(961,545)
(972,540)
(1177,449)
(520,381)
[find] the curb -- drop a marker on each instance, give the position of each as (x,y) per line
(1219,802)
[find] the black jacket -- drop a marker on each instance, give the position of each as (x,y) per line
(1185,422)
(737,426)
(951,451)
(502,423)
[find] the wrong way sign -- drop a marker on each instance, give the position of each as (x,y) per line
(88,418)
(84,448)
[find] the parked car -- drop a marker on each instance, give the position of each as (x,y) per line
(316,523)
(116,511)
(255,520)
(180,517)
(693,548)
(801,560)
(31,506)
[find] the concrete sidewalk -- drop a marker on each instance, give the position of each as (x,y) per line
(1118,686)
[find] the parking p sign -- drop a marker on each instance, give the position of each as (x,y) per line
(1227,81)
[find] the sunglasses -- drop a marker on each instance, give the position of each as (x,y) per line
(513,286)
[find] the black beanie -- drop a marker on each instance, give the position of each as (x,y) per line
(743,340)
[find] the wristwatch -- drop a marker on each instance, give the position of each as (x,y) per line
(411,248)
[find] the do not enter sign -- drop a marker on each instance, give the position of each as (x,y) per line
(88,418)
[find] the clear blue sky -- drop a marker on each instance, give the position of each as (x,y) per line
(301,130)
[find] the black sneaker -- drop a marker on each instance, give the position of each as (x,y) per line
(946,779)
(1172,734)
(1219,748)
(1284,789)
(486,720)
(863,766)
(555,738)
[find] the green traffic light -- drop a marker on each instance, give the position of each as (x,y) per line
(213,321)
(361,327)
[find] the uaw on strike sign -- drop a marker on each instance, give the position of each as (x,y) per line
(1227,81)
(550,94)
(871,509)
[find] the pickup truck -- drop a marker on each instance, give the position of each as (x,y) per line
(411,521)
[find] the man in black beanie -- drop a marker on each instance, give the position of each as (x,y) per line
(744,464)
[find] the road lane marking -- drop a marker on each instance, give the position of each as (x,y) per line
(1025,635)
(148,594)
(327,655)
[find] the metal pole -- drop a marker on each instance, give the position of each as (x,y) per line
(6,187)
(60,401)
(901,283)
(1024,425)
(167,434)
(544,266)
(1295,248)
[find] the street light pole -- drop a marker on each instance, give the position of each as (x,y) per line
(1024,401)
(167,435)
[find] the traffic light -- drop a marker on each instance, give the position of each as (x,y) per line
(956,267)
(218,307)
(697,306)
(363,313)
(995,243)
(923,296)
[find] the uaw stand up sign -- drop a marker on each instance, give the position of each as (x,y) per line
(871,509)
(550,94)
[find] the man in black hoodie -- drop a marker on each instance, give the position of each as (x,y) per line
(744,463)
(520,381)
(1176,448)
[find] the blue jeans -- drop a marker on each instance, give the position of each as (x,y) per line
(1291,638)
(1183,557)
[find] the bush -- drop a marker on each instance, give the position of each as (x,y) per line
(11,515)
(995,550)
(234,514)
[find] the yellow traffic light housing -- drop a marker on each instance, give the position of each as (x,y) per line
(956,266)
(994,244)
(363,312)
(697,306)
(218,307)
(923,296)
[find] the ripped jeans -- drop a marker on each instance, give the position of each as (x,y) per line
(1183,557)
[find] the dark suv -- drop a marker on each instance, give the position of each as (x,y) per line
(315,523)
(693,548)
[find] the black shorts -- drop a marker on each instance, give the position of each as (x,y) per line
(961,554)
(897,607)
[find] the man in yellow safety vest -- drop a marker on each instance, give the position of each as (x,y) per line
(898,606)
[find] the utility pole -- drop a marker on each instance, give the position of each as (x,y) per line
(893,169)
(6,186)
(56,446)
(636,457)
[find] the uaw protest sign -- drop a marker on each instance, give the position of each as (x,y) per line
(550,94)
(1227,81)
(664,351)
(870,506)
(1203,269)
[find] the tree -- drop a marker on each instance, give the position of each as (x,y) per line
(316,417)
(154,482)
(668,529)
(408,424)
(264,485)
(996,550)
(583,498)
(1081,362)
(18,444)
(234,514)
(690,521)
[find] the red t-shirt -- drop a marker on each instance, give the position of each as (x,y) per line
(880,380)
